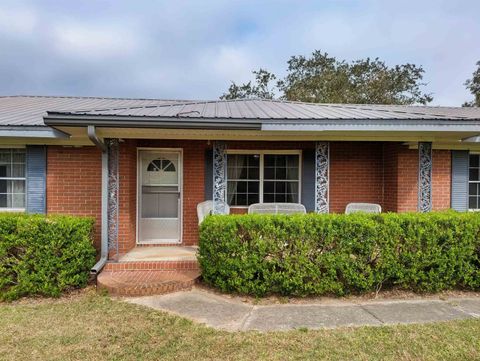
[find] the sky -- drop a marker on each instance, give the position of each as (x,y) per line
(193,49)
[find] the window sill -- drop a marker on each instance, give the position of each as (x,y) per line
(13,210)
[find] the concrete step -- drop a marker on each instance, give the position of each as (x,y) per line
(145,282)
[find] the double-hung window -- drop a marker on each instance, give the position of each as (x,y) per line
(263,177)
(474,182)
(12,179)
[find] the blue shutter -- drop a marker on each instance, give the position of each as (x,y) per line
(308,179)
(208,174)
(36,178)
(459,196)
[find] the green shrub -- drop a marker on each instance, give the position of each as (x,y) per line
(339,254)
(42,255)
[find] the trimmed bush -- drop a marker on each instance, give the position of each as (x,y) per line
(340,254)
(42,255)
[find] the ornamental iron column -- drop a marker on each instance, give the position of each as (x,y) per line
(424,177)
(113,192)
(322,165)
(219,177)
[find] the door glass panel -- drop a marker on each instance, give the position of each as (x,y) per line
(160,208)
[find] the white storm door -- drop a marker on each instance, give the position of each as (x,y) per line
(159,195)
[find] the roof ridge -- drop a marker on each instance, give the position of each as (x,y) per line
(91,97)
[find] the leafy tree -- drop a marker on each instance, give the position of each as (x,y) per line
(324,79)
(262,87)
(473,85)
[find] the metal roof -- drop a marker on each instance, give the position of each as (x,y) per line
(276,109)
(31,110)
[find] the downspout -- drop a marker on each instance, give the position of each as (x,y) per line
(104,234)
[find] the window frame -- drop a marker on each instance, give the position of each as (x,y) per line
(12,209)
(472,182)
(261,179)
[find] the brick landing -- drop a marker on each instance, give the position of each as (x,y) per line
(150,271)
(145,282)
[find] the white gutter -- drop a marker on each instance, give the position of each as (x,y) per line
(376,126)
(104,234)
(31,132)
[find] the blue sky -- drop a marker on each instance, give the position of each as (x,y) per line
(192,49)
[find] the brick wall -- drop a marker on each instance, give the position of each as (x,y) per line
(401,178)
(359,172)
(74,183)
(441,178)
(356,174)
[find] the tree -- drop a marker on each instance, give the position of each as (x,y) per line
(473,85)
(261,89)
(324,79)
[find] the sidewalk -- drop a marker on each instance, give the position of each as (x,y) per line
(232,315)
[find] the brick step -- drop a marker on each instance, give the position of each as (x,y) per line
(190,265)
(145,282)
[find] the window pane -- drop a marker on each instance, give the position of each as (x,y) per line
(268,197)
(472,203)
(253,187)
(472,189)
(18,156)
(474,160)
(253,173)
(12,165)
(292,173)
(269,173)
(18,201)
(269,187)
(253,198)
(241,199)
(474,174)
(292,198)
(18,170)
(279,171)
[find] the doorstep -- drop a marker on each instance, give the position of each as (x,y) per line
(150,271)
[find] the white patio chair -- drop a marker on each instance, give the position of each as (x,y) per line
(363,207)
(276,208)
(206,208)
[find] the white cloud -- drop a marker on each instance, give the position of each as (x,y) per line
(17,21)
(90,41)
(230,62)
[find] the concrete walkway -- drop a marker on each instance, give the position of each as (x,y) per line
(232,315)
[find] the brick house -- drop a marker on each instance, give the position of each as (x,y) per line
(141,166)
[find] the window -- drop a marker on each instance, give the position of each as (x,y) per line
(263,177)
(12,178)
(474,182)
(157,165)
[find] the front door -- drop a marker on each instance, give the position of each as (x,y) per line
(160,197)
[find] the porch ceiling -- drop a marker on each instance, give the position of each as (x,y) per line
(445,139)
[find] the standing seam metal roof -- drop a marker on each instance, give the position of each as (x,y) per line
(30,110)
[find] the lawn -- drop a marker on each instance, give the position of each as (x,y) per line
(93,327)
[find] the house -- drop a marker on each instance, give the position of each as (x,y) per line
(141,166)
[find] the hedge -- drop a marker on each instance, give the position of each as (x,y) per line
(42,255)
(340,254)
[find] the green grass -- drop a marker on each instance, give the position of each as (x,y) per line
(92,327)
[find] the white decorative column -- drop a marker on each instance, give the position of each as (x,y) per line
(219,177)
(424,177)
(322,173)
(113,192)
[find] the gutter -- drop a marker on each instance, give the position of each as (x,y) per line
(61,119)
(97,268)
(31,132)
